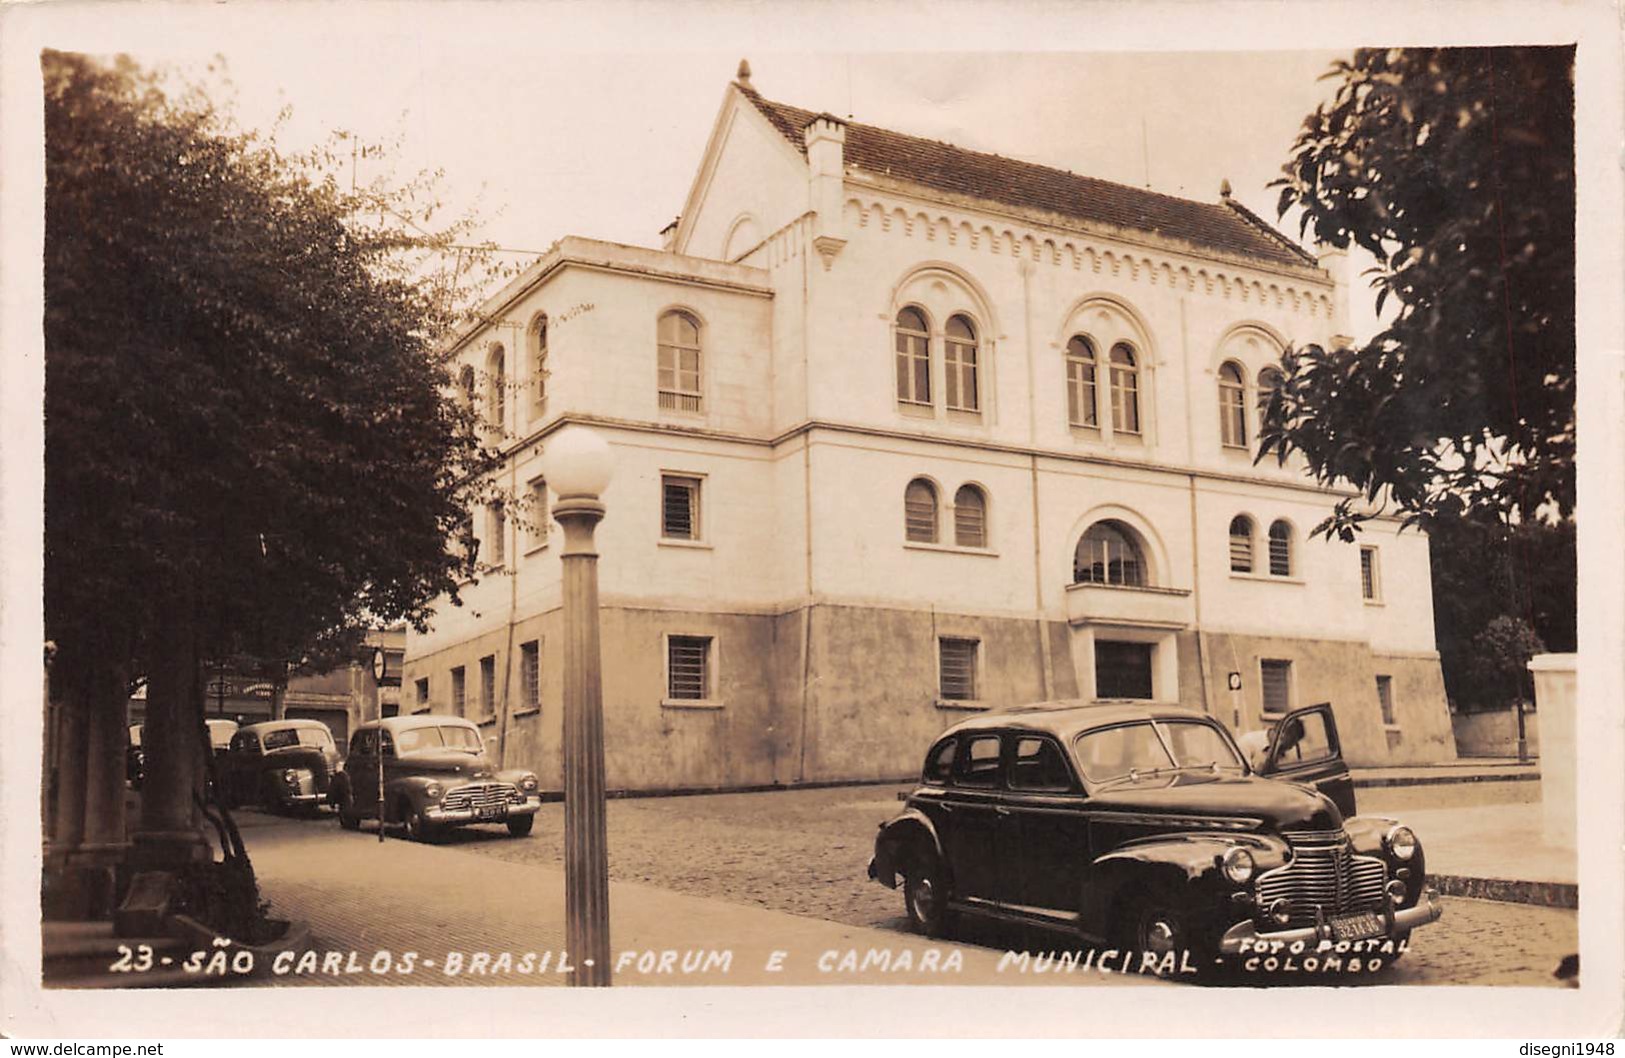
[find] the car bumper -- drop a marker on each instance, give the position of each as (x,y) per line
(303,798)
(528,807)
(1244,936)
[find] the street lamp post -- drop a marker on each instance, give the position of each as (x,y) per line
(579,464)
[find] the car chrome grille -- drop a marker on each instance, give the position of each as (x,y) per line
(476,796)
(1324,873)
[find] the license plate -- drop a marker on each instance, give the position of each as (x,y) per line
(1357,926)
(490,811)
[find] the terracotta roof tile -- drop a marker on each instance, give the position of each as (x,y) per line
(1224,226)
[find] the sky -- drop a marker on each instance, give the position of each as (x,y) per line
(550,142)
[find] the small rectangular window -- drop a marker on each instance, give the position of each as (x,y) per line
(1370,575)
(488,685)
(680,507)
(1385,698)
(538,515)
(530,674)
(957,668)
(688,668)
(496,532)
(423,690)
(1277,679)
(459,692)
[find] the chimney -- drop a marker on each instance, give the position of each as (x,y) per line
(825,136)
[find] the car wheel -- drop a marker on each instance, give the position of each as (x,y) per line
(519,826)
(417,828)
(925,895)
(1157,923)
(348,819)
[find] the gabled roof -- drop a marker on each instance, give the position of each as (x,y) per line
(1225,226)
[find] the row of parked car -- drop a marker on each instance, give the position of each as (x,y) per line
(424,773)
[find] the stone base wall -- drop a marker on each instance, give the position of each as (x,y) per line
(1495,734)
(836,693)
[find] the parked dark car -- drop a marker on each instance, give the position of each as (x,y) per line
(1143,827)
(135,758)
(434,775)
(279,764)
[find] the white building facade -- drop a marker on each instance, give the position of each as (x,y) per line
(902,432)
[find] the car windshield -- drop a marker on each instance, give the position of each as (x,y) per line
(297,736)
(448,736)
(1199,745)
(1125,751)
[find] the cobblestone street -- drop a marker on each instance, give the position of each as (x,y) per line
(804,852)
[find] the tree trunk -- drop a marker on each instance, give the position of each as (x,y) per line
(169,836)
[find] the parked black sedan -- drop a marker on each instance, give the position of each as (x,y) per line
(1142,826)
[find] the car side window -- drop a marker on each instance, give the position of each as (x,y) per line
(978,762)
(939,763)
(1303,740)
(361,745)
(1039,767)
(389,746)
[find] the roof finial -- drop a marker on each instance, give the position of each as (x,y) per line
(743,76)
(1224,188)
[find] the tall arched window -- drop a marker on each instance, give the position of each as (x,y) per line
(465,386)
(920,512)
(959,361)
(679,335)
(1109,553)
(1232,406)
(1280,549)
(913,357)
(496,387)
(1080,381)
(1125,389)
(1241,544)
(538,360)
(1269,380)
(970,517)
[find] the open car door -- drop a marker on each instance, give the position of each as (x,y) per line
(1304,749)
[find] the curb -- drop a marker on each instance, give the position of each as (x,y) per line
(1440,780)
(549,796)
(1564,895)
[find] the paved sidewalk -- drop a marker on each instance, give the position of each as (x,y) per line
(1460,770)
(357,894)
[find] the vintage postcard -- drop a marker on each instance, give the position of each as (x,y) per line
(1055,514)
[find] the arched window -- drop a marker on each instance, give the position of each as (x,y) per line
(1269,380)
(1125,389)
(1280,549)
(466,386)
(1232,406)
(920,512)
(913,357)
(679,336)
(1109,553)
(970,517)
(1241,544)
(959,361)
(496,387)
(538,360)
(1080,382)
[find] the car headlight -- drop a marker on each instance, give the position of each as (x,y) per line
(1238,864)
(528,784)
(1400,842)
(433,790)
(290,776)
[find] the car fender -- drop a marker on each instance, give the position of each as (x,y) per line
(1366,833)
(513,775)
(411,788)
(1184,862)
(899,834)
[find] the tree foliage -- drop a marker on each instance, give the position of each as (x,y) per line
(241,392)
(1500,594)
(1454,168)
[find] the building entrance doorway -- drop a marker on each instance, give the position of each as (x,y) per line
(1122,670)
